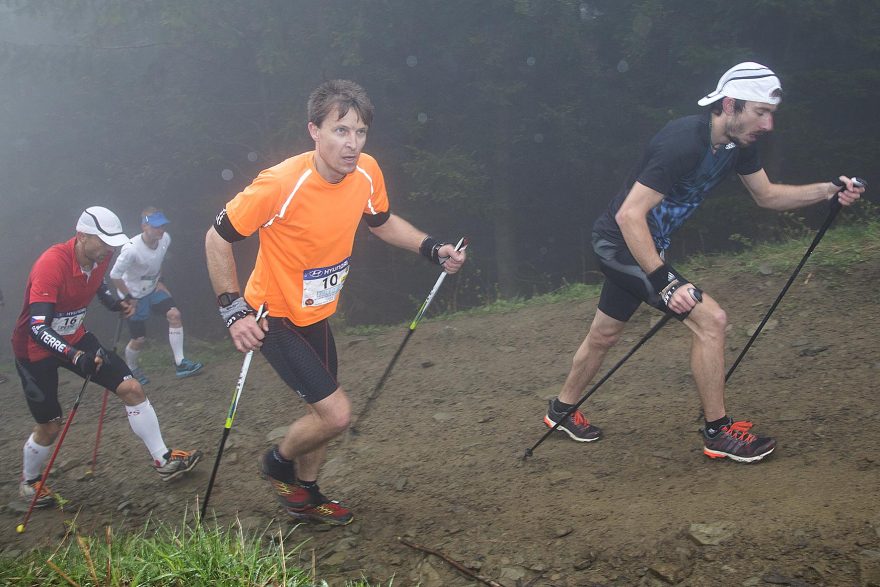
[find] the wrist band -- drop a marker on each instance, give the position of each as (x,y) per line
(430,249)
(665,280)
(235,311)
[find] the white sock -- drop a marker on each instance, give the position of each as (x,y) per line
(143,421)
(175,338)
(131,357)
(35,456)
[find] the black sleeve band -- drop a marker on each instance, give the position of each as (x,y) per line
(41,317)
(376,220)
(224,228)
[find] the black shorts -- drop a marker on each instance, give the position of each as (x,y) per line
(626,286)
(39,379)
(303,356)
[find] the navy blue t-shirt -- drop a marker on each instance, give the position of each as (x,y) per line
(680,164)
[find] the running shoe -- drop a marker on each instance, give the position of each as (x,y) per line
(282,477)
(576,426)
(734,441)
(187,368)
(321,510)
(178,462)
(27,490)
(139,375)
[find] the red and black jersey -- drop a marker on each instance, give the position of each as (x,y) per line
(57,278)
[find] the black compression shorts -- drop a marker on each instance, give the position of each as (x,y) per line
(626,285)
(303,356)
(39,379)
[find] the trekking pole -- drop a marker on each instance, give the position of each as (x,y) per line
(230,415)
(20,528)
(462,245)
(91,470)
(832,214)
(697,294)
(572,409)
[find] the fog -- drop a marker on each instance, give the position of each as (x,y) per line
(512,122)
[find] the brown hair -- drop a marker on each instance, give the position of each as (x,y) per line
(342,95)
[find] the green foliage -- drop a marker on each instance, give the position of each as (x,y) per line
(191,555)
(450,177)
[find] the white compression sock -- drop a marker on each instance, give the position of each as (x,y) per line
(131,356)
(175,338)
(34,457)
(143,421)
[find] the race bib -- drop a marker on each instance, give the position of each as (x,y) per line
(323,284)
(66,323)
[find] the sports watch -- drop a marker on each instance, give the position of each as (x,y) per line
(227,298)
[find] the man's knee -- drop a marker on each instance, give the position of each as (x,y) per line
(130,392)
(711,321)
(174,317)
(604,332)
(603,339)
(335,411)
(137,344)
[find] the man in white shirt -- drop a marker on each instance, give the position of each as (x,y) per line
(137,276)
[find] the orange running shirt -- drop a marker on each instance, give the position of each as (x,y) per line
(306,226)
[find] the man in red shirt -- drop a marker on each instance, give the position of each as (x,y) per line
(306,210)
(50,334)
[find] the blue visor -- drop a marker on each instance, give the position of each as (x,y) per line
(156,220)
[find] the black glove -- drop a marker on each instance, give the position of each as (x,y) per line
(86,362)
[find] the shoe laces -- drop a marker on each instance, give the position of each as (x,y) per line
(281,487)
(578,418)
(740,431)
(40,489)
(179,455)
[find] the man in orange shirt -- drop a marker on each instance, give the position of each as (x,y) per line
(306,210)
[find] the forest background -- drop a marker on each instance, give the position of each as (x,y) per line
(510,121)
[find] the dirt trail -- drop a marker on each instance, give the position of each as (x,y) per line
(438,460)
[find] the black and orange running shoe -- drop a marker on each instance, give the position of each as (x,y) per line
(321,510)
(734,441)
(576,425)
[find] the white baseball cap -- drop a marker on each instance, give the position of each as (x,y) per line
(747,81)
(102,222)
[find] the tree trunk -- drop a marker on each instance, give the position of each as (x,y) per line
(503,209)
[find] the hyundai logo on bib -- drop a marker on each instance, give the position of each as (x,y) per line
(319,272)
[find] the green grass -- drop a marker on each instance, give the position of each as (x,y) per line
(191,555)
(840,248)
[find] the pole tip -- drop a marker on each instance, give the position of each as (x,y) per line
(527,454)
(20,528)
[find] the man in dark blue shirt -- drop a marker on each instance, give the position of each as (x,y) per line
(682,163)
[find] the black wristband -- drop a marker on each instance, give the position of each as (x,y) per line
(665,280)
(430,249)
(664,275)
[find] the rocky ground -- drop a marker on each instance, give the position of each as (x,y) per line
(438,461)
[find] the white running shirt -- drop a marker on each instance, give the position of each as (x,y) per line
(139,266)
